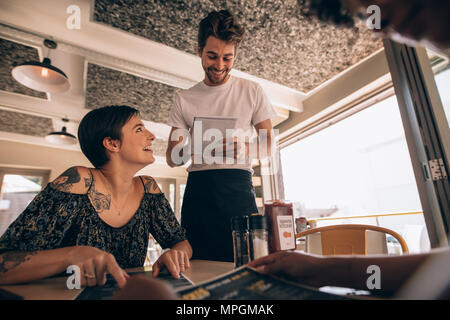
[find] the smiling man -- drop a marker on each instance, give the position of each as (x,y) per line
(217,191)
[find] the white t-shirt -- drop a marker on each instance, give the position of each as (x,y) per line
(239,98)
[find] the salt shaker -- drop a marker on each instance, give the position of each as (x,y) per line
(259,236)
(241,242)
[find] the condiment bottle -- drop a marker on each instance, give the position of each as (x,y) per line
(281,225)
(259,236)
(241,244)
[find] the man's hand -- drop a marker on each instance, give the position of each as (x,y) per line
(232,148)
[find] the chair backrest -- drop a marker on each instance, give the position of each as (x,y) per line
(348,238)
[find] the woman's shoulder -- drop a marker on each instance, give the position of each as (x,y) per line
(76,180)
(150,185)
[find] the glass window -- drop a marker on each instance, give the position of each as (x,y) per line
(443,84)
(182,188)
(17,191)
(359,166)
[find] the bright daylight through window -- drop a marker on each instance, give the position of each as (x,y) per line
(443,84)
(359,166)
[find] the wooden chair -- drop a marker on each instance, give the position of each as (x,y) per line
(348,239)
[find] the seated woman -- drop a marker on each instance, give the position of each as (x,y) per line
(98,219)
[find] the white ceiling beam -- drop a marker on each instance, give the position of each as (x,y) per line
(31,105)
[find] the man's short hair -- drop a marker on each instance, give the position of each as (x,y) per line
(101,123)
(221,25)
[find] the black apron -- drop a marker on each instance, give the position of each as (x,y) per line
(210,199)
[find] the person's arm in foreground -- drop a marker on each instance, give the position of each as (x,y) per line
(143,288)
(342,271)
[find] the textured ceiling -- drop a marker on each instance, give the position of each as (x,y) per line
(12,54)
(25,124)
(110,87)
(280,44)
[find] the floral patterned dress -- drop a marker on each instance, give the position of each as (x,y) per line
(56,219)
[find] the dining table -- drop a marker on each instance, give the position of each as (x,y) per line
(56,288)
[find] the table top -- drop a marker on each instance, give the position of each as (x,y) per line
(56,288)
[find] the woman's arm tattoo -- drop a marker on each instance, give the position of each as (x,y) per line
(65,181)
(10,260)
(151,185)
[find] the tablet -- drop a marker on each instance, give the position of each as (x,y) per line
(202,130)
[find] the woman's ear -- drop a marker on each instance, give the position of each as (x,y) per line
(110,144)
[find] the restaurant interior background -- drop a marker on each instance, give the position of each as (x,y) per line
(342,145)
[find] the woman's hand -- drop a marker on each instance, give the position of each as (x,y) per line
(94,264)
(174,260)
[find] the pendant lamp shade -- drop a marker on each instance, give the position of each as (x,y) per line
(42,76)
(61,137)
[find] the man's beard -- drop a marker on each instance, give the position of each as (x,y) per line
(213,78)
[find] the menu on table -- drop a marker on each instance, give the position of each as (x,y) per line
(245,283)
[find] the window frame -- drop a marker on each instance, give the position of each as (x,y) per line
(426,130)
(45,174)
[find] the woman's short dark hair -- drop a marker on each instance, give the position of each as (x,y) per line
(101,123)
(221,25)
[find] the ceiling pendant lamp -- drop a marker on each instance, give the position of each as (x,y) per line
(42,76)
(62,137)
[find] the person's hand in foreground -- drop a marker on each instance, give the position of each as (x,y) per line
(144,288)
(307,269)
(174,260)
(344,270)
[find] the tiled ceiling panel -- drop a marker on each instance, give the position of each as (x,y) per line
(12,54)
(280,44)
(110,87)
(16,122)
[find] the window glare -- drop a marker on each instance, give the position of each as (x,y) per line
(360,165)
